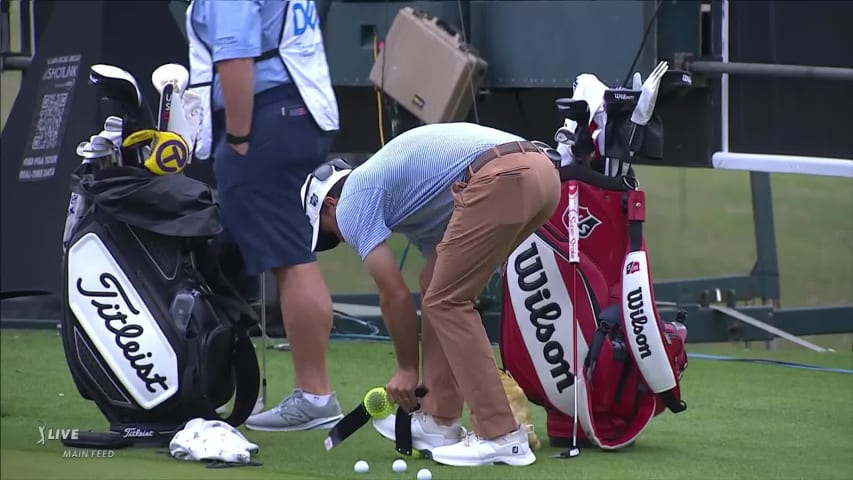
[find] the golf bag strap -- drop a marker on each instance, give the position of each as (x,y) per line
(643,332)
(608,320)
(248,380)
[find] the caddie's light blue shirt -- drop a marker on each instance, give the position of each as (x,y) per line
(242,29)
(405,187)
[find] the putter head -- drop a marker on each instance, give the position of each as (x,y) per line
(119,85)
(170,73)
(573,109)
(570,452)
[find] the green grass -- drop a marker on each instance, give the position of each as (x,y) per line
(744,421)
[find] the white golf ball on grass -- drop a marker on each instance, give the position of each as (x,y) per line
(361,467)
(399,466)
(424,474)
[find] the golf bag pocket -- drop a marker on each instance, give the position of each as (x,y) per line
(151,333)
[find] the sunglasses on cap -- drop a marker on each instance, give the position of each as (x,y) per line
(324,171)
(321,173)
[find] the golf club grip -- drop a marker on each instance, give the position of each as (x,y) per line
(165,107)
(421,391)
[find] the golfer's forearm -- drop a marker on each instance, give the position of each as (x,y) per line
(237,80)
(401,320)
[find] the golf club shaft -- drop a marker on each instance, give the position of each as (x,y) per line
(263,338)
(574,259)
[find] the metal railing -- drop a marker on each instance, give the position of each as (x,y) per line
(21,59)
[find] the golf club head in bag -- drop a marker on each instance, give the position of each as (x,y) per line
(119,85)
(170,73)
(171,81)
(123,99)
(578,112)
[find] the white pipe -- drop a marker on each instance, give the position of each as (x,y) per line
(766,162)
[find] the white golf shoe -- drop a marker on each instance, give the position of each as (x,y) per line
(426,433)
(473,451)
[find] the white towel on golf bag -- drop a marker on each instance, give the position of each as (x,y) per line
(203,439)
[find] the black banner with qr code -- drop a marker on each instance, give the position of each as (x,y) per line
(55,109)
(53,100)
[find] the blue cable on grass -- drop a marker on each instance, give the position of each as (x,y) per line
(373,335)
(765,361)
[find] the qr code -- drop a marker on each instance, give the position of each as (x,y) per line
(50,119)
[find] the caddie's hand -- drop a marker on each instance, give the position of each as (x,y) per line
(401,389)
(242,148)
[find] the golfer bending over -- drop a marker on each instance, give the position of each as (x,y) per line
(466,196)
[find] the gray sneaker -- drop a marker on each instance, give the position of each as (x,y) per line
(294,413)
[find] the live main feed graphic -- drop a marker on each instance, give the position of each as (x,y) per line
(49,434)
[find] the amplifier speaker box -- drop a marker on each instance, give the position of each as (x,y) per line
(426,67)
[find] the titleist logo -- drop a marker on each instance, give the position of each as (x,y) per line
(638,320)
(135,432)
(111,304)
(543,314)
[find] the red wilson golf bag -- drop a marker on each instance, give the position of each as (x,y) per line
(628,361)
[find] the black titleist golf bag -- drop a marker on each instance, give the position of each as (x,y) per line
(153,331)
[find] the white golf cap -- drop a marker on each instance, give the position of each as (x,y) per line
(314,190)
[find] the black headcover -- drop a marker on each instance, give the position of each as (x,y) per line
(622,136)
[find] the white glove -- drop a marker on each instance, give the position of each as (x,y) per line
(649,95)
(638,81)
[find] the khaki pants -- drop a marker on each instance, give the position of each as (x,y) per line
(502,204)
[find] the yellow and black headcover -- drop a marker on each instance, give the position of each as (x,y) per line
(169,152)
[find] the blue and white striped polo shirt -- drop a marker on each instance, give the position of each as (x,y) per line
(405,187)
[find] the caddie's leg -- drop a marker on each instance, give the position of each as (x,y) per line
(444,400)
(504,201)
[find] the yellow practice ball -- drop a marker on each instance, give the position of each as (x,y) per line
(376,403)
